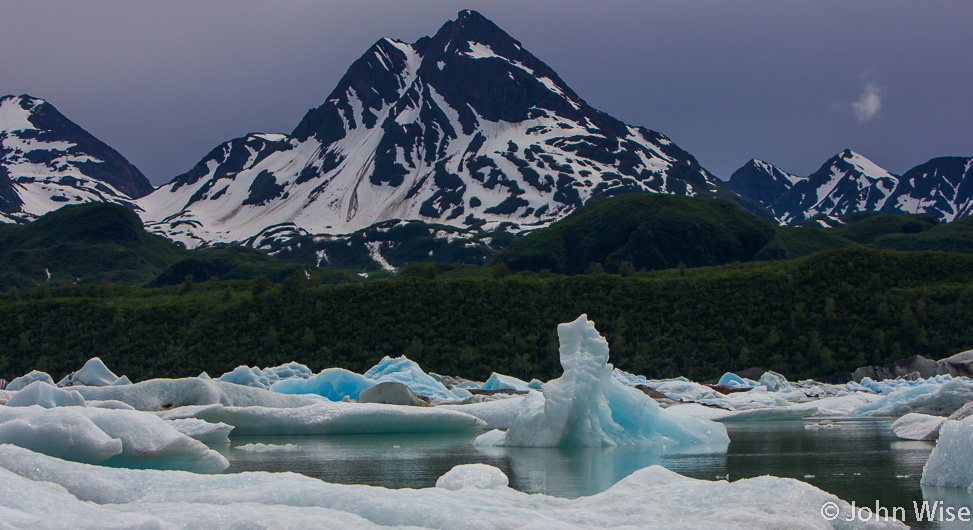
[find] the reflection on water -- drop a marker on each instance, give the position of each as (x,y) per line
(859,461)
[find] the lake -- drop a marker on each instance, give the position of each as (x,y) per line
(857,460)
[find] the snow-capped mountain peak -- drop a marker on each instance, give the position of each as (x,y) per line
(463,128)
(47,161)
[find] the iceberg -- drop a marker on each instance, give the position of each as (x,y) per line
(402,370)
(162,394)
(915,426)
(325,417)
(25,380)
(936,396)
(949,463)
(263,378)
(45,395)
(93,373)
(587,406)
(203,431)
(504,382)
(124,438)
(44,492)
(732,380)
(334,384)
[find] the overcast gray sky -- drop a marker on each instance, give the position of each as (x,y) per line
(787,81)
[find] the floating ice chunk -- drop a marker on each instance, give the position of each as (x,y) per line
(504,382)
(498,413)
(333,383)
(698,410)
(68,494)
(160,394)
(949,464)
(772,381)
(264,378)
(203,431)
(246,376)
(148,442)
(45,395)
(391,393)
(332,418)
(93,373)
(123,380)
(587,406)
(535,384)
(267,448)
(62,432)
(914,426)
(681,389)
(402,370)
(733,380)
(25,380)
(924,396)
(460,393)
(479,476)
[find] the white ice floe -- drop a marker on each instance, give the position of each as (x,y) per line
(267,448)
(325,417)
(47,493)
(123,438)
(587,406)
(479,476)
(266,377)
(951,462)
(161,394)
(497,413)
(915,426)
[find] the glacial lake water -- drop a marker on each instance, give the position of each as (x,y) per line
(859,460)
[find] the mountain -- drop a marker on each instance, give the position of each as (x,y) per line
(47,161)
(761,181)
(942,187)
(465,128)
(849,183)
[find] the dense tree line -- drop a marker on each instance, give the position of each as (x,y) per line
(813,316)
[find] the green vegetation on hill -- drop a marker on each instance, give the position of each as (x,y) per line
(813,316)
(648,231)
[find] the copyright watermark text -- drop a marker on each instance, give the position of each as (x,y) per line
(924,511)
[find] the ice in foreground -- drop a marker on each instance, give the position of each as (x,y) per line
(44,492)
(588,407)
(951,462)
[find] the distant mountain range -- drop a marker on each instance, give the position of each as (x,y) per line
(440,147)
(849,183)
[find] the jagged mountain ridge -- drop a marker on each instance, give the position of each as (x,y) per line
(849,182)
(47,161)
(464,128)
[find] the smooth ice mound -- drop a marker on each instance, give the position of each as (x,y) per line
(333,383)
(951,462)
(588,407)
(43,492)
(935,396)
(162,394)
(915,426)
(479,476)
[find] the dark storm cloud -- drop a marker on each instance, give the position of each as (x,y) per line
(789,82)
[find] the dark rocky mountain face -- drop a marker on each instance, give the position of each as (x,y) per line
(942,187)
(761,181)
(465,128)
(48,161)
